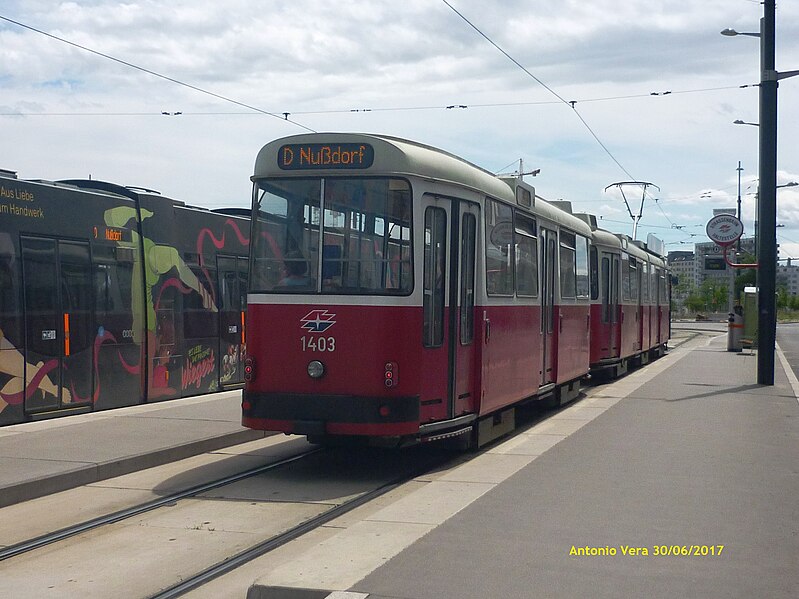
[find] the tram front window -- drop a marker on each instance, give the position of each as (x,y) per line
(332,236)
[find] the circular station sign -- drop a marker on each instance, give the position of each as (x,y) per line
(724,229)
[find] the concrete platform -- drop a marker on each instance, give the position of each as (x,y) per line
(40,458)
(687,457)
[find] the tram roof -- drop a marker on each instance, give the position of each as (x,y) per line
(394,156)
(398,157)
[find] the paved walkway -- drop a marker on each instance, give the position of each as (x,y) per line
(40,458)
(687,457)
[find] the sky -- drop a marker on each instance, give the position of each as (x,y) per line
(591,93)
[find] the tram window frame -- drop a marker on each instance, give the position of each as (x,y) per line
(76,278)
(524,197)
(662,288)
(567,258)
(468,260)
(581,268)
(370,266)
(434,275)
(10,304)
(199,321)
(273,233)
(625,278)
(499,282)
(593,260)
(607,290)
(356,235)
(653,287)
(645,283)
(634,277)
(525,242)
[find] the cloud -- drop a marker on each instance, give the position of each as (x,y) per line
(319,60)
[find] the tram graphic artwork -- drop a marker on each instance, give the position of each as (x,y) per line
(113,296)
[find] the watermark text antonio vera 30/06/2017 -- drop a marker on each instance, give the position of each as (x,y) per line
(647,551)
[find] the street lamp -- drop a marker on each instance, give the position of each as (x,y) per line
(740,122)
(731,33)
(767,205)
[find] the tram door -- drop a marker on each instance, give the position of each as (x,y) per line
(549,240)
(233,306)
(58,311)
(450,247)
(610,305)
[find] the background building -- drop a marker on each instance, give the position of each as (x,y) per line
(710,262)
(788,276)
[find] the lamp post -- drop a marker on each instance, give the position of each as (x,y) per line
(767,201)
(738,247)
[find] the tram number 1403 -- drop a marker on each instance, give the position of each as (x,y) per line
(318,343)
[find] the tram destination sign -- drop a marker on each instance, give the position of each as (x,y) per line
(724,229)
(294,157)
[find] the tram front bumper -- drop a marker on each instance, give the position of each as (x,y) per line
(331,414)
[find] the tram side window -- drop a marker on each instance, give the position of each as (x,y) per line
(645,282)
(76,292)
(10,312)
(594,276)
(606,290)
(568,272)
(468,245)
(499,248)
(526,248)
(633,266)
(625,278)
(435,262)
(113,279)
(581,264)
(201,321)
(653,284)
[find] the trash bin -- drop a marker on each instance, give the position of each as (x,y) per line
(735,329)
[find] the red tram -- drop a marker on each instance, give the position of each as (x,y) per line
(400,294)
(629,301)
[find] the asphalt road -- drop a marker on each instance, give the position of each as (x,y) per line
(788,340)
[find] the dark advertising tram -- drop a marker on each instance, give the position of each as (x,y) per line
(400,294)
(113,296)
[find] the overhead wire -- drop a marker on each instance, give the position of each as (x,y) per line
(285,115)
(364,110)
(572,103)
(156,74)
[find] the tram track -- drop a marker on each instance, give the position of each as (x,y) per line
(231,563)
(184,540)
(95,523)
(61,534)
(354,478)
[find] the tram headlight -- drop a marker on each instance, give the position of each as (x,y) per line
(316,369)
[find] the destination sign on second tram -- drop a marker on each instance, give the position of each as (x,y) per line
(292,157)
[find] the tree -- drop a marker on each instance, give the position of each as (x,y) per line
(747,277)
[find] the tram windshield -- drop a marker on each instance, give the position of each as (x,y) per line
(332,236)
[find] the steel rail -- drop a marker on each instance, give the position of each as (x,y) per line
(70,531)
(292,534)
